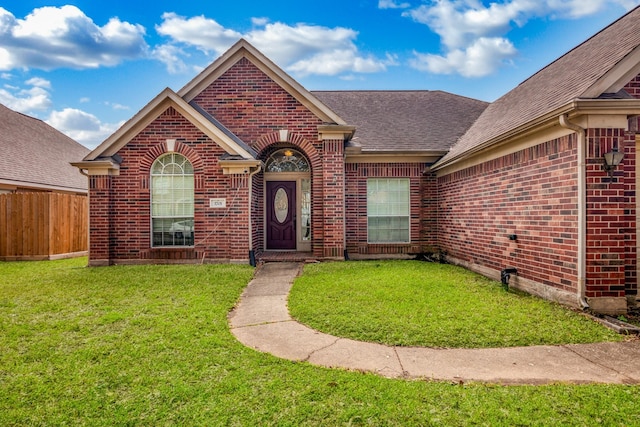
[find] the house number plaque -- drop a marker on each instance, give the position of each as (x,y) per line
(217,203)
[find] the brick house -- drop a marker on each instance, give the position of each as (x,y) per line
(244,163)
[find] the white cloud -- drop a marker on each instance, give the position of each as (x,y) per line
(27,100)
(259,22)
(473,35)
(391,4)
(117,106)
(39,82)
(81,126)
(170,56)
(459,23)
(203,33)
(482,58)
(339,61)
(56,37)
(580,8)
(303,49)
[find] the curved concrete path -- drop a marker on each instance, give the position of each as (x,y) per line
(261,320)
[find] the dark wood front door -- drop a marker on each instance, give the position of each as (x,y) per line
(281,215)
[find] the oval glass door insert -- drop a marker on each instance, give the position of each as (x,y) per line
(281,205)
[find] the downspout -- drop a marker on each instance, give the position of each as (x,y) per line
(252,254)
(582,208)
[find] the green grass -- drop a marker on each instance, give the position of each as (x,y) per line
(411,303)
(150,346)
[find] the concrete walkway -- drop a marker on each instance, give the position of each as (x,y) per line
(261,321)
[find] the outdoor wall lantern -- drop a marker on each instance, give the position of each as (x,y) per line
(612,159)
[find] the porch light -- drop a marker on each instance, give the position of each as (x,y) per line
(612,159)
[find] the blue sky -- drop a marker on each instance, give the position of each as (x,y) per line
(85,67)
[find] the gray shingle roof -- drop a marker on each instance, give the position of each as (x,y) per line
(404,120)
(564,80)
(37,155)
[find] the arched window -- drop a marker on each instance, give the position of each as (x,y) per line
(287,160)
(172,201)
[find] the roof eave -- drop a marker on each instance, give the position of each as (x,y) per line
(167,98)
(393,156)
(241,167)
(572,109)
(616,77)
(9,183)
(103,166)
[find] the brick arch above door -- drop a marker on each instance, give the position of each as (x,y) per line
(281,139)
(285,137)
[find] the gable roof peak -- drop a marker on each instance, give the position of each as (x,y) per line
(243,49)
(165,99)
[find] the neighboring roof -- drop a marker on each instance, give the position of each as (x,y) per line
(36,155)
(404,120)
(602,64)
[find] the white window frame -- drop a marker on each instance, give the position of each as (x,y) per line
(388,201)
(172,207)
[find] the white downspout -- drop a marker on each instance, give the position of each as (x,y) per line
(582,208)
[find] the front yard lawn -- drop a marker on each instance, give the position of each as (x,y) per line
(413,303)
(150,345)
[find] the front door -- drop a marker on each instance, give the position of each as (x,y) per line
(281,215)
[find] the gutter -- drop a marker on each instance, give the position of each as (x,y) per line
(582,207)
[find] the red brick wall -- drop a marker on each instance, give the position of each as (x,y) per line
(530,193)
(333,198)
(220,234)
(606,222)
(99,219)
(611,236)
(633,87)
(423,207)
(250,104)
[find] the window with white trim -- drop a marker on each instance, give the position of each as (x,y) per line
(388,210)
(172,201)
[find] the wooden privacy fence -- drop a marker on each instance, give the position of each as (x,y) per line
(37,226)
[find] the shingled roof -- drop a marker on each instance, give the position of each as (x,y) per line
(581,73)
(35,155)
(404,120)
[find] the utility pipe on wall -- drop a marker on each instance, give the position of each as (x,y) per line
(582,207)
